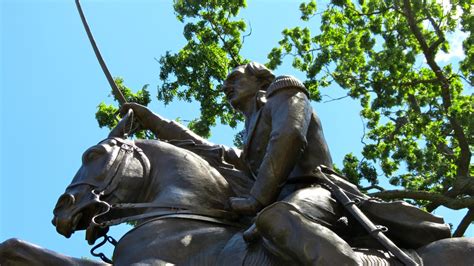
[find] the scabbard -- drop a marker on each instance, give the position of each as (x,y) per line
(374,230)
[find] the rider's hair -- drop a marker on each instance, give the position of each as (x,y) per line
(262,73)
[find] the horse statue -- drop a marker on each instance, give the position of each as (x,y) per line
(179,204)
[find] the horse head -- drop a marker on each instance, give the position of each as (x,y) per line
(136,180)
(110,172)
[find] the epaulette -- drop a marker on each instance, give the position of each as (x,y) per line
(261,98)
(283,82)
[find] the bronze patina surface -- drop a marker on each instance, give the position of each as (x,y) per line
(199,203)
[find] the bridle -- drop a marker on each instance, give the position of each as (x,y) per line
(119,162)
(121,159)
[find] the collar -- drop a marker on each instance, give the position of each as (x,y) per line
(260,99)
(284,82)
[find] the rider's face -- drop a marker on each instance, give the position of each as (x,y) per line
(240,87)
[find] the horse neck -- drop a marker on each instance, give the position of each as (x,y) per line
(181,178)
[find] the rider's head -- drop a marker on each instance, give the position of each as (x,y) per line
(244,81)
(264,75)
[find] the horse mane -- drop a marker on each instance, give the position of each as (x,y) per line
(239,180)
(184,177)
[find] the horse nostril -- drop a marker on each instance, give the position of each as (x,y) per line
(72,199)
(66,199)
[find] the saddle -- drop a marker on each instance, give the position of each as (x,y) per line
(237,252)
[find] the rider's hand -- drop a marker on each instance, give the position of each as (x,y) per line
(141,112)
(245,206)
(138,109)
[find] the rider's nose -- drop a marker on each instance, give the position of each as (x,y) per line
(226,88)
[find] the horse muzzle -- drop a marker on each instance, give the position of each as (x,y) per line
(73,213)
(66,226)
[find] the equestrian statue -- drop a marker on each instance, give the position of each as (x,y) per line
(276,202)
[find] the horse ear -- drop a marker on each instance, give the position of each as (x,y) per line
(124,127)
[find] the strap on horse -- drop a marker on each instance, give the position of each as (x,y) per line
(101,255)
(212,216)
(176,211)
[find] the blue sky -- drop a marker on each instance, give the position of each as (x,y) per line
(51,85)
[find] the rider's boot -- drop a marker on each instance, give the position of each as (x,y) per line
(287,231)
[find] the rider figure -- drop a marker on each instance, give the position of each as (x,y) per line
(283,136)
(283,144)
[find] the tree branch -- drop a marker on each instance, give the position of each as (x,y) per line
(438,31)
(334,99)
(415,82)
(246,35)
(374,187)
(455,204)
(465,154)
(363,130)
(466,221)
(414,103)
(233,57)
(465,79)
(377,12)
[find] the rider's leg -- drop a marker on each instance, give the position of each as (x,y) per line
(302,239)
(295,227)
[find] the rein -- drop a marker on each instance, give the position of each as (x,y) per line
(209,215)
(114,175)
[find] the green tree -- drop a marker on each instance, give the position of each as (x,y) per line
(418,116)
(196,72)
(107,115)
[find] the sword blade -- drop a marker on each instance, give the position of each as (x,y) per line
(98,55)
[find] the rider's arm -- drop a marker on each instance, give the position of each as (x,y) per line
(234,156)
(163,128)
(170,130)
(290,114)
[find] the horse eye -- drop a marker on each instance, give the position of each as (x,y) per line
(91,155)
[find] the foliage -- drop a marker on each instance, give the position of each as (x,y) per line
(197,71)
(418,116)
(107,114)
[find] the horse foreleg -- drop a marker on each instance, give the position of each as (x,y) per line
(18,252)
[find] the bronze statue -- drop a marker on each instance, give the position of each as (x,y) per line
(277,202)
(179,202)
(283,145)
(283,136)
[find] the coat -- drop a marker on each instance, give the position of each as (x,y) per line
(284,139)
